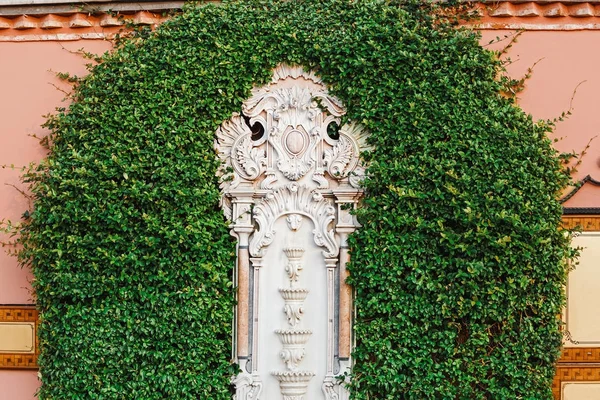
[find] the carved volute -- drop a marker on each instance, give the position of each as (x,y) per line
(290,176)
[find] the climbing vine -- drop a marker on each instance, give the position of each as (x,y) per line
(458,267)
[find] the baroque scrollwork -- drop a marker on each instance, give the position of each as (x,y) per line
(296,119)
(248,387)
(298,200)
(338,158)
(329,388)
(252,160)
(239,159)
(343,158)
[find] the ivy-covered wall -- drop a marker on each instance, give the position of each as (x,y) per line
(459,265)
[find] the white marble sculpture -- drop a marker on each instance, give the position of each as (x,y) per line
(288,187)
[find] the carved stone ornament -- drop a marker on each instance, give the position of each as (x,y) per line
(293,383)
(299,200)
(295,142)
(294,221)
(329,389)
(248,387)
(281,165)
(344,158)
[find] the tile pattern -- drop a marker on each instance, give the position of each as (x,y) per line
(99,24)
(73,26)
(19,314)
(562,16)
(580,355)
(532,9)
(573,374)
(585,222)
(578,363)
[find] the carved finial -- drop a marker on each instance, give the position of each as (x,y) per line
(294,266)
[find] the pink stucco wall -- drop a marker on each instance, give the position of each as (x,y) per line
(565,77)
(27,92)
(27,76)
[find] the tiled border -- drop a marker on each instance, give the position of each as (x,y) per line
(531,9)
(561,16)
(580,355)
(75,26)
(585,222)
(66,22)
(578,363)
(566,374)
(19,314)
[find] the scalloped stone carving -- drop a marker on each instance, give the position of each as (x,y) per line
(293,340)
(293,384)
(299,200)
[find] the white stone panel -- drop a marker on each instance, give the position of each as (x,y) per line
(581,391)
(583,295)
(272,316)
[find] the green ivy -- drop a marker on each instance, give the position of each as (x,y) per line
(458,267)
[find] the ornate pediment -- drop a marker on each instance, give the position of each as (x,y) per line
(283,135)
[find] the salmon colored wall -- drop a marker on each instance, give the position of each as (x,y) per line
(566,61)
(18,385)
(27,76)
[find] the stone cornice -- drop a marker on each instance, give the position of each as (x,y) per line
(15,8)
(540,15)
(42,20)
(74,26)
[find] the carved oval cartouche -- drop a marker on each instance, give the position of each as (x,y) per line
(295,142)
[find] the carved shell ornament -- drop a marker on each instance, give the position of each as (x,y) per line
(294,199)
(235,150)
(343,159)
(240,160)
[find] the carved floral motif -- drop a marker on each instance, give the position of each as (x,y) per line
(248,387)
(299,200)
(338,158)
(251,159)
(294,266)
(239,159)
(294,313)
(293,384)
(329,386)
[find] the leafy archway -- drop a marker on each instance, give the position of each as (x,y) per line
(458,266)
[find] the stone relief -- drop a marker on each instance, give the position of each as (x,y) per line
(291,168)
(298,200)
(294,221)
(293,382)
(246,388)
